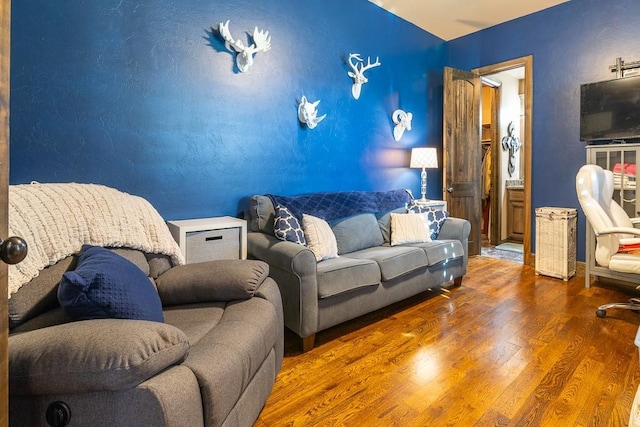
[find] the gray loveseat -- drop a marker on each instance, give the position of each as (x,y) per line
(368,274)
(212,361)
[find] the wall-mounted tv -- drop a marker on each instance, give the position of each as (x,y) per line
(610,110)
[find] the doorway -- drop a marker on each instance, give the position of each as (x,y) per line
(506,139)
(502,136)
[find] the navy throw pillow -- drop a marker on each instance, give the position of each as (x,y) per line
(287,227)
(105,285)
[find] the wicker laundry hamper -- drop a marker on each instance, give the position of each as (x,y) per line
(556,242)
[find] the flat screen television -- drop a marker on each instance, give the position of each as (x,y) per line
(610,110)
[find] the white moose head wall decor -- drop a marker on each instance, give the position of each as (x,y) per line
(244,58)
(308,113)
(358,72)
(402,121)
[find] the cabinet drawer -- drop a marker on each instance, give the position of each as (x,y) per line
(208,245)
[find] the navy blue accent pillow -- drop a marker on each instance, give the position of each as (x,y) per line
(105,285)
(287,227)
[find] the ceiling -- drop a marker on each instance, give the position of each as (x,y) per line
(450,19)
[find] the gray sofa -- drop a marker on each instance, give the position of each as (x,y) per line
(211,361)
(368,274)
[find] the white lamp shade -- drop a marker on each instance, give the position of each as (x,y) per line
(424,157)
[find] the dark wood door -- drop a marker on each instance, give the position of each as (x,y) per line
(5,32)
(462,150)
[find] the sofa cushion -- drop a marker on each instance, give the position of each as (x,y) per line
(106,285)
(438,251)
(55,316)
(409,228)
(39,294)
(136,257)
(231,354)
(394,261)
(158,264)
(92,355)
(195,320)
(340,275)
(261,214)
(287,227)
(220,280)
(384,222)
(357,232)
(320,237)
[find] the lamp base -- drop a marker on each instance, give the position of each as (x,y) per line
(423,185)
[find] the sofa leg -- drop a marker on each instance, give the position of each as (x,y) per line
(307,342)
(457,282)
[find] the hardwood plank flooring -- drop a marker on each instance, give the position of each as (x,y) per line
(507,348)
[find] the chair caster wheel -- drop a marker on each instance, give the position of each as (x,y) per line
(601,313)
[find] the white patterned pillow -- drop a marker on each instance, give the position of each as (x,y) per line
(320,237)
(436,217)
(287,227)
(409,228)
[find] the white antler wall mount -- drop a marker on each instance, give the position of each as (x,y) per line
(244,57)
(402,121)
(358,72)
(308,113)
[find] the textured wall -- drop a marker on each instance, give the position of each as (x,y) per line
(140,95)
(571,44)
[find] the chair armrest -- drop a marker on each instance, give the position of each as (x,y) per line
(220,280)
(92,355)
(619,230)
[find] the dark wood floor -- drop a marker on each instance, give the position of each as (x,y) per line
(508,348)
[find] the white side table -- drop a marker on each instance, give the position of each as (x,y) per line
(435,204)
(207,239)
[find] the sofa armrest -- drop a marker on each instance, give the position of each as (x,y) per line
(220,280)
(294,268)
(92,355)
(455,229)
(279,253)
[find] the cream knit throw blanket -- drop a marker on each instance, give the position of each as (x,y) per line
(57,219)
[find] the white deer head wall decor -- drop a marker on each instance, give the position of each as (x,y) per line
(402,121)
(308,113)
(358,72)
(244,58)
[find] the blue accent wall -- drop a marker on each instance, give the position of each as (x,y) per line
(571,44)
(144,97)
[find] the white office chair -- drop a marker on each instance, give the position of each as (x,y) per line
(611,225)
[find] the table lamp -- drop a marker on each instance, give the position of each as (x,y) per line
(423,158)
